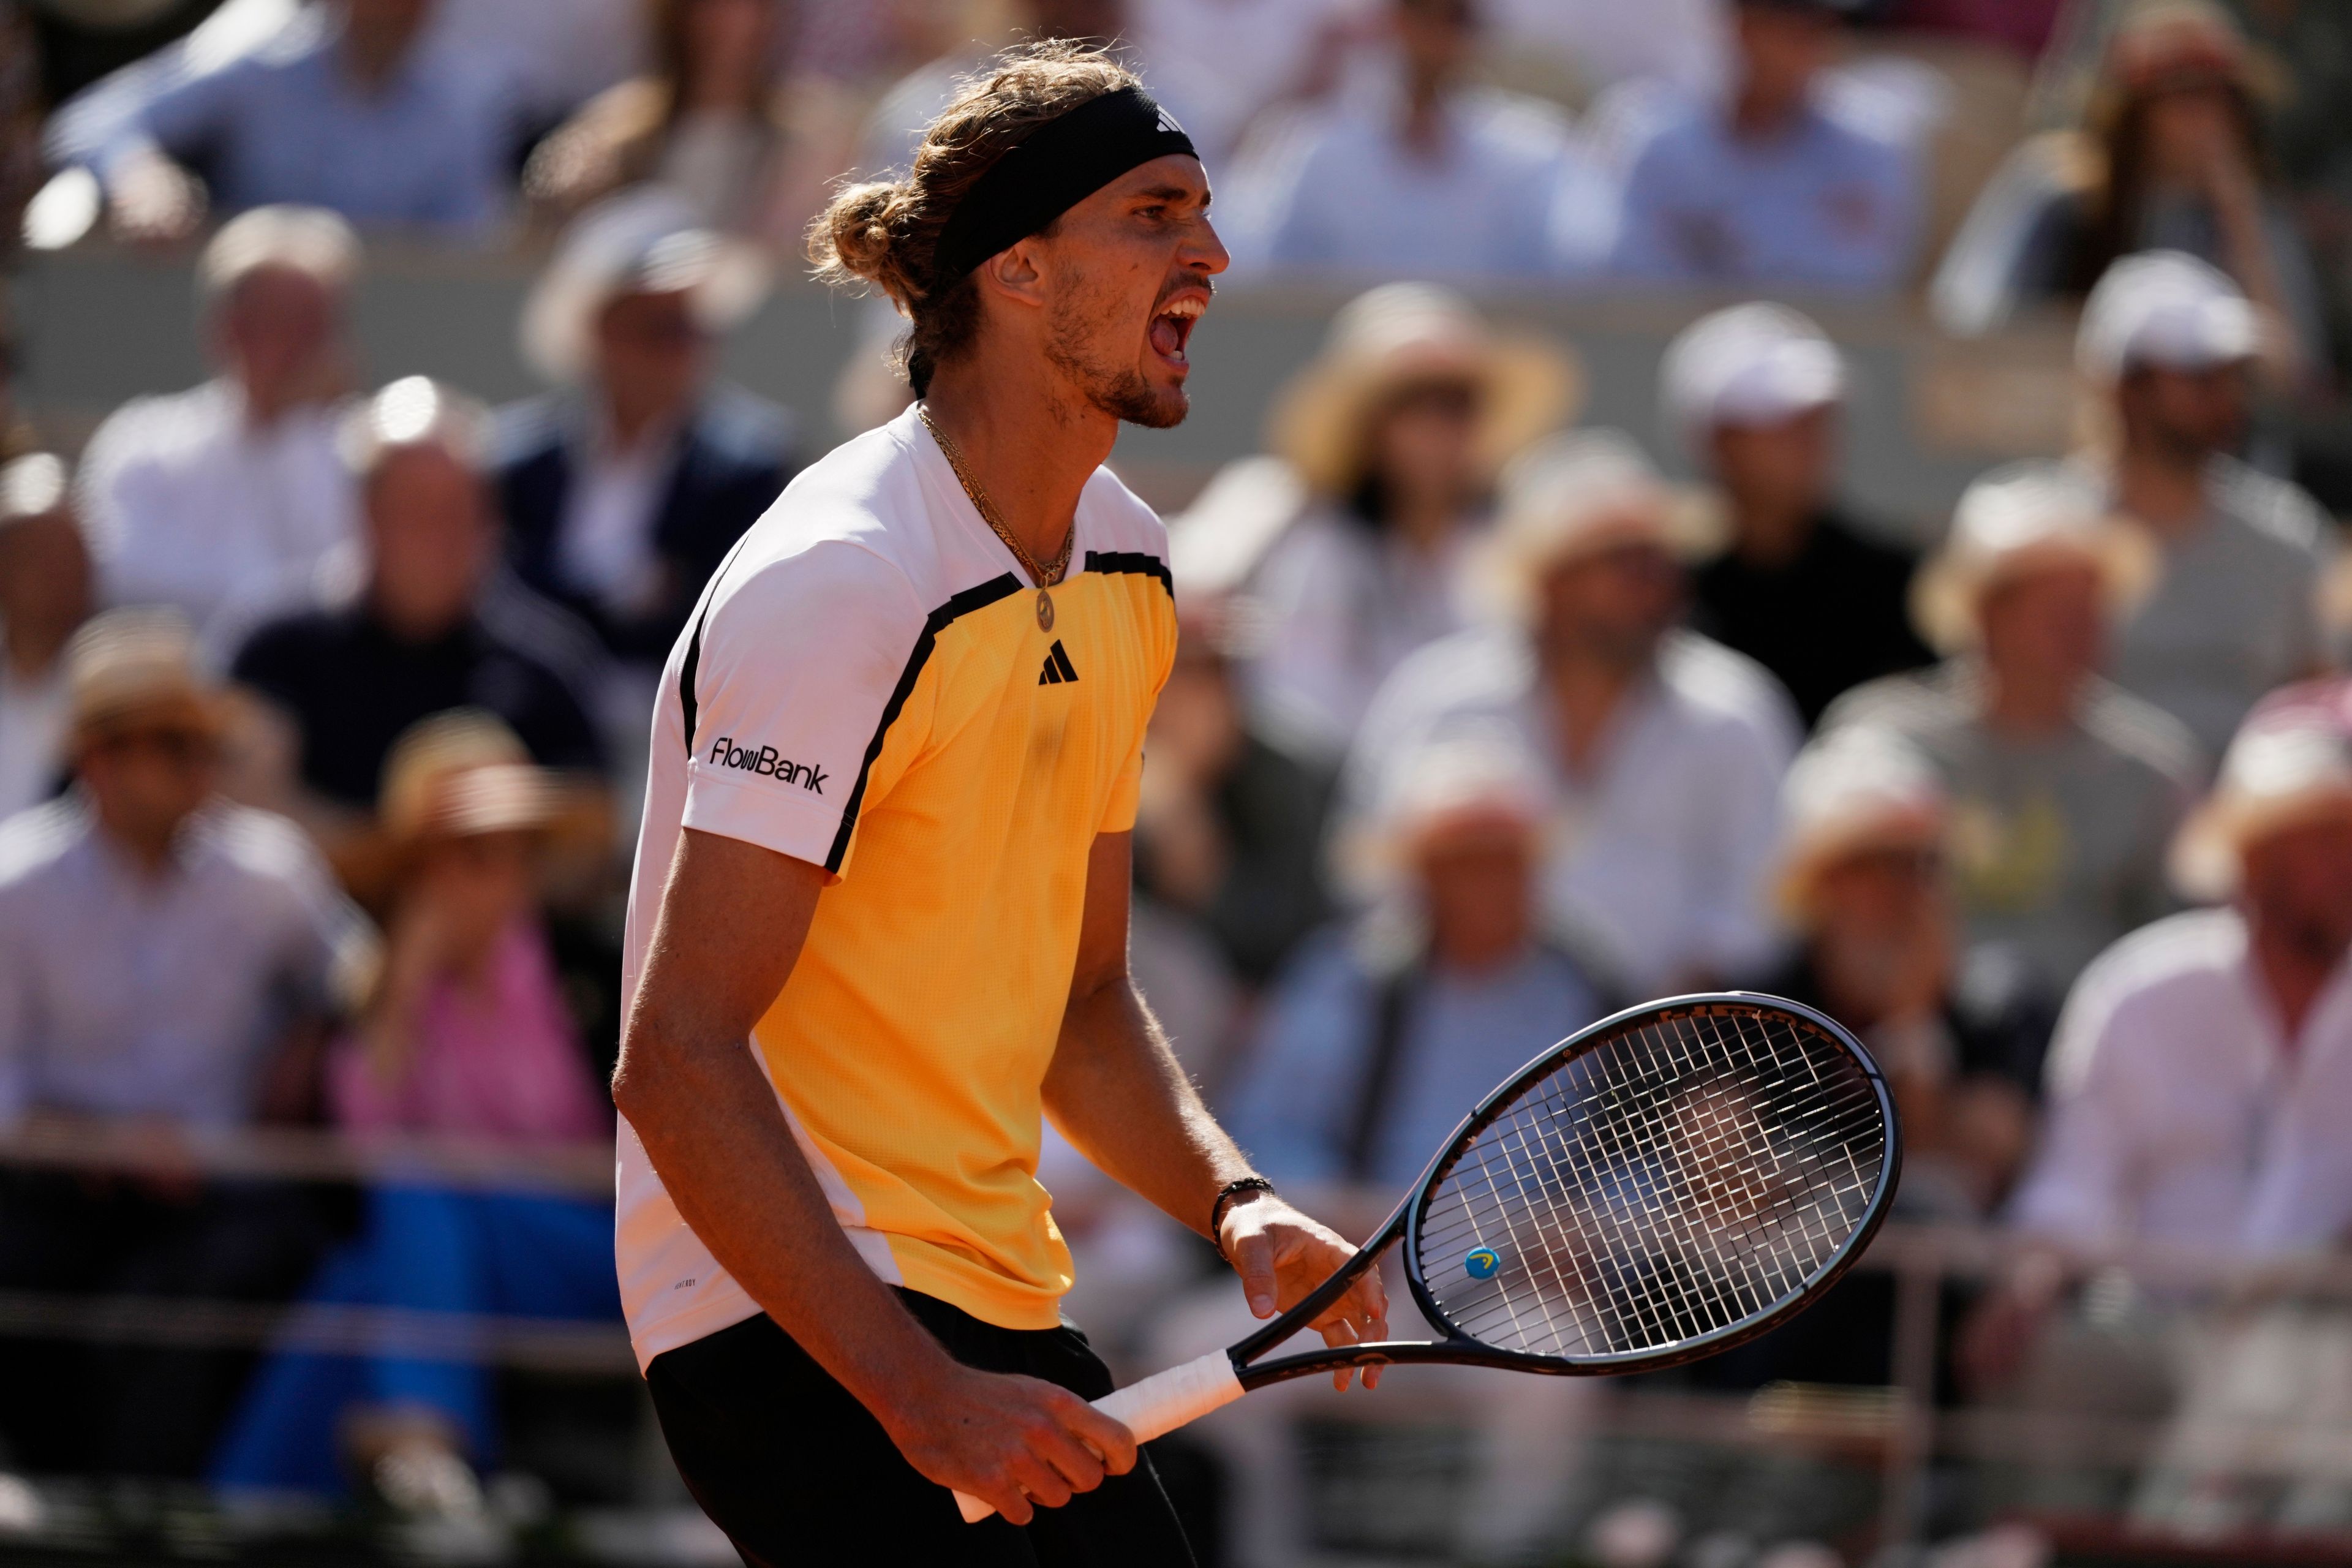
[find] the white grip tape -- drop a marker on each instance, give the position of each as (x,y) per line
(1154,1408)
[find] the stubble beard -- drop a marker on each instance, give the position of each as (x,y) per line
(1121,392)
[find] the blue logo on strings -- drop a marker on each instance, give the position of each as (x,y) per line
(1482,1262)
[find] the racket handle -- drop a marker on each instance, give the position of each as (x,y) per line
(1157,1405)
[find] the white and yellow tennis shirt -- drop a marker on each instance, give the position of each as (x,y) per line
(871,684)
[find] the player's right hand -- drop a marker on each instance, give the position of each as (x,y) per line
(1017,1443)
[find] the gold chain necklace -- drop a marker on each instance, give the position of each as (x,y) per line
(1043,576)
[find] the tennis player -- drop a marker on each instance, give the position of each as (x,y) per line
(886,845)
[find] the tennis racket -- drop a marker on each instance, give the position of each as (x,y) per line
(1665,1185)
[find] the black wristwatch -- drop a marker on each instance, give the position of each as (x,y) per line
(1225,1195)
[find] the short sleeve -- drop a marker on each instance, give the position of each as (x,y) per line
(796,673)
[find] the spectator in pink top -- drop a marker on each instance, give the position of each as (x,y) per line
(467,1038)
(468,1035)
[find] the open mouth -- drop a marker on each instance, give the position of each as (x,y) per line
(1172,328)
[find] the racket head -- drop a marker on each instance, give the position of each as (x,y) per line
(1670,1182)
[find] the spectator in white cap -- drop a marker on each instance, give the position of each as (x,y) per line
(225,501)
(2168,343)
(1661,751)
(44,594)
(1351,545)
(1754,393)
(1772,181)
(625,488)
(1373,1043)
(2065,790)
(2201,1080)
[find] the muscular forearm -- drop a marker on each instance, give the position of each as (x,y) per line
(715,1135)
(1118,1092)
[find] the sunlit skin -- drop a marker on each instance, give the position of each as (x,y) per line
(1781,49)
(651,357)
(1610,604)
(45,588)
(278,333)
(429,535)
(2043,631)
(1599,617)
(728,46)
(1476,871)
(468,890)
(1777,477)
(1435,42)
(1081,328)
(145,775)
(2296,887)
(2184,416)
(1422,452)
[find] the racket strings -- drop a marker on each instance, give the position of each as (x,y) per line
(1670,1182)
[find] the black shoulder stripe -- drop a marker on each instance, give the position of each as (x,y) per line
(1132,560)
(962,605)
(687,704)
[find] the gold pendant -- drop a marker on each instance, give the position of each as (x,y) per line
(1044,611)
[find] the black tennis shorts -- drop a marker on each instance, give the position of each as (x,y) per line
(798,1473)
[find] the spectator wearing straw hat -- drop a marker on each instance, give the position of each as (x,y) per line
(2065,790)
(432,625)
(1772,182)
(1864,880)
(44,596)
(2167,343)
(2174,155)
(167,957)
(224,502)
(1375,1039)
(1393,434)
(1382,1031)
(467,1037)
(624,488)
(1754,393)
(1662,750)
(2201,1080)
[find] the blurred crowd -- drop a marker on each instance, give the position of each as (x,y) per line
(323,708)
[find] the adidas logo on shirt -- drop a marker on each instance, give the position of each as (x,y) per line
(1058,668)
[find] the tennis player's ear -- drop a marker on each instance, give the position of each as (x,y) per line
(1014,273)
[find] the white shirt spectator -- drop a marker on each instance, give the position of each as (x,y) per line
(1829,202)
(1508,194)
(126,996)
(2180,1114)
(32,737)
(1656,857)
(1342,605)
(188,504)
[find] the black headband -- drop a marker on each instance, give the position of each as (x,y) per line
(1061,163)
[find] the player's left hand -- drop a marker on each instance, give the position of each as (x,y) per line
(1282,1255)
